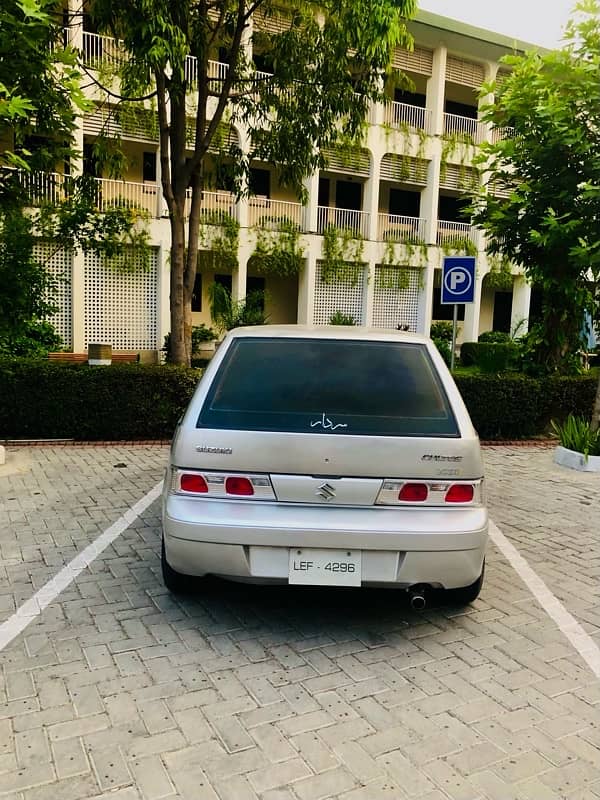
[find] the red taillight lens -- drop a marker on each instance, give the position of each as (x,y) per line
(193,483)
(413,493)
(239,486)
(460,493)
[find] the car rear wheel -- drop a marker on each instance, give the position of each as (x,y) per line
(176,582)
(467,594)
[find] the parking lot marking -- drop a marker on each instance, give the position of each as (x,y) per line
(581,641)
(33,607)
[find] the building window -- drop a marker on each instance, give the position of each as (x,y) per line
(260,182)
(348,195)
(197,293)
(404,204)
(410,98)
(460,109)
(149,167)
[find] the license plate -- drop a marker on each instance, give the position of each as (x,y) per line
(325,567)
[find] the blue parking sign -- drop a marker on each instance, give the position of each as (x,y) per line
(458,279)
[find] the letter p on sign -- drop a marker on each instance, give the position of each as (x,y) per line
(458,280)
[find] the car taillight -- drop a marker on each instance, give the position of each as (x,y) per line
(239,486)
(413,493)
(460,493)
(221,484)
(192,482)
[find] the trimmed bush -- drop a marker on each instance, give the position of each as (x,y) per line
(494,337)
(53,400)
(489,356)
(516,406)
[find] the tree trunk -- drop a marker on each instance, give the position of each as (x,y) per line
(178,352)
(596,412)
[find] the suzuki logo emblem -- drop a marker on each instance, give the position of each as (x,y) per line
(325,491)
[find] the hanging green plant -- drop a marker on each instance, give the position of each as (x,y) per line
(219,236)
(342,256)
(278,251)
(460,245)
(500,276)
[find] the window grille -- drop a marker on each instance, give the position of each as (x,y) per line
(59,265)
(418,60)
(463,72)
(396,297)
(121,307)
(339,295)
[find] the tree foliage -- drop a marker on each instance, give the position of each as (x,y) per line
(321,66)
(550,166)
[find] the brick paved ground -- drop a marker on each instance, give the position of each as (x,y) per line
(117,691)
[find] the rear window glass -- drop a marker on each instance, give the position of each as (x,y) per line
(328,386)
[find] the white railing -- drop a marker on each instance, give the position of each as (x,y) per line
(127,194)
(216,72)
(216,207)
(455,233)
(468,127)
(102,50)
(273,214)
(502,133)
(43,187)
(356,222)
(399,114)
(397,228)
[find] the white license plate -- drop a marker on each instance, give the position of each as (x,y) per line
(325,567)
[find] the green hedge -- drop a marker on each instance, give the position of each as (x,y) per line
(489,356)
(49,400)
(514,406)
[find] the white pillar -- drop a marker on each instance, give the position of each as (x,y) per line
(306,289)
(311,183)
(519,318)
(371,199)
(436,90)
(238,278)
(163,290)
(470,327)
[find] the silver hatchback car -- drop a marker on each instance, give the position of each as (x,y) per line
(337,456)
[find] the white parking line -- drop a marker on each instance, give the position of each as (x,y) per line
(33,607)
(581,641)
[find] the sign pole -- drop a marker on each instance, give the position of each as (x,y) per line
(454,326)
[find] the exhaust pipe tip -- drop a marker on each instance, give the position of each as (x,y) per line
(418,600)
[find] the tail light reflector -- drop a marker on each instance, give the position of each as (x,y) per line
(239,485)
(192,482)
(413,493)
(460,493)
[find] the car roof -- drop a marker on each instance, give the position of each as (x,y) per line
(354,332)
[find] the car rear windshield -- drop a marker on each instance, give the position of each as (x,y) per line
(335,386)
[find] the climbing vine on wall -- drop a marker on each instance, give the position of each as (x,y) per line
(342,256)
(278,250)
(219,238)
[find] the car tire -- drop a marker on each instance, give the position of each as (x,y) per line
(176,582)
(467,594)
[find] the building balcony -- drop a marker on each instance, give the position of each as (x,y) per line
(400,229)
(216,207)
(455,234)
(274,214)
(501,133)
(356,223)
(400,115)
(98,50)
(471,129)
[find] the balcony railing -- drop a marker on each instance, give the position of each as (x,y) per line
(216,72)
(355,222)
(456,234)
(127,194)
(43,187)
(216,207)
(99,50)
(274,214)
(400,114)
(502,133)
(471,129)
(404,230)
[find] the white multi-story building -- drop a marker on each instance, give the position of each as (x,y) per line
(400,198)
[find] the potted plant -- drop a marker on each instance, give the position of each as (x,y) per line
(579,445)
(203,341)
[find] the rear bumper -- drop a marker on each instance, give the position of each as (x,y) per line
(251,540)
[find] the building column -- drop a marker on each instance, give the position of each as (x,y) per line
(519,318)
(239,276)
(306,289)
(163,291)
(470,327)
(436,90)
(369,294)
(371,198)
(311,184)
